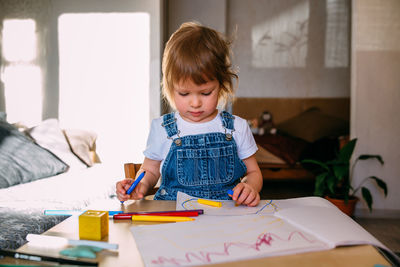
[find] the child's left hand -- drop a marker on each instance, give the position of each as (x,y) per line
(244,194)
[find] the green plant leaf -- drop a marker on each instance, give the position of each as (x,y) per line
(331,183)
(346,151)
(365,157)
(320,184)
(367,197)
(380,183)
(341,171)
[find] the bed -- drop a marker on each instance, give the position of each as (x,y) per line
(46,167)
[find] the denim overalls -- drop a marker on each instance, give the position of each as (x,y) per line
(203,165)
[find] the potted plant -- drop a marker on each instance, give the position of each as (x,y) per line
(333,179)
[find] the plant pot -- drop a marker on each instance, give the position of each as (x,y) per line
(347,208)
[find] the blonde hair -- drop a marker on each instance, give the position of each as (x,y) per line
(201,54)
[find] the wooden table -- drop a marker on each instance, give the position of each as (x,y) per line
(128,254)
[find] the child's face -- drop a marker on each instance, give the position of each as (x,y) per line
(196,103)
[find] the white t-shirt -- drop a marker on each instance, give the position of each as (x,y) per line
(158,144)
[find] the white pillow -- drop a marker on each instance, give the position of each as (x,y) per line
(49,136)
(83,145)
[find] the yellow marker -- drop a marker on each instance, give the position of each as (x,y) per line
(151,218)
(209,202)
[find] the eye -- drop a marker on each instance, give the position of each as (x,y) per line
(183,94)
(208,93)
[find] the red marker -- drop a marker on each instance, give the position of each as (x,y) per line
(182,213)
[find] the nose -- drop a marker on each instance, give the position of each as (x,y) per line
(195,102)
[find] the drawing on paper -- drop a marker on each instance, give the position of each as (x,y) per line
(221,238)
(187,202)
(298,225)
(266,239)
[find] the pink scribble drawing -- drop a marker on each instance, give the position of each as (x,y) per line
(265,239)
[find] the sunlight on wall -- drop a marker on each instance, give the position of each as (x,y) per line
(104,80)
(19,40)
(282,40)
(21,76)
(337,34)
(23,95)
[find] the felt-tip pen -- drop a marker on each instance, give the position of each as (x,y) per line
(38,258)
(153,218)
(209,202)
(76,212)
(230,192)
(128,216)
(135,183)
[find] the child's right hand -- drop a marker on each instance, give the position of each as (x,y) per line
(245,194)
(123,186)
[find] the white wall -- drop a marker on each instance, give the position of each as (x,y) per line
(375,98)
(121,123)
(122,128)
(47,13)
(291,48)
(211,13)
(153,7)
(319,68)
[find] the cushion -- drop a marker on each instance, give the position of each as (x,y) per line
(83,145)
(49,135)
(286,148)
(312,125)
(264,156)
(22,161)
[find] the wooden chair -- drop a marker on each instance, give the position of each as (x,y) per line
(130,172)
(131,169)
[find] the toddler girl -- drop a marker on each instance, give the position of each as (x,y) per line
(201,150)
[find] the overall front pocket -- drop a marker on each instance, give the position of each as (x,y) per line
(208,166)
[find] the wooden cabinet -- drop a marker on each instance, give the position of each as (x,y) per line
(271,171)
(282,181)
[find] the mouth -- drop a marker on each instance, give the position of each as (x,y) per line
(196,114)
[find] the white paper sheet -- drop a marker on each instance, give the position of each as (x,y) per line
(216,239)
(330,225)
(229,233)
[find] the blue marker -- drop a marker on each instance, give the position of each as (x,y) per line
(63,212)
(112,212)
(135,183)
(76,212)
(230,192)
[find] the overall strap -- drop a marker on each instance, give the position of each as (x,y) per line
(169,123)
(227,120)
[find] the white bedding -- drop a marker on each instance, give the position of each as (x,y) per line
(74,189)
